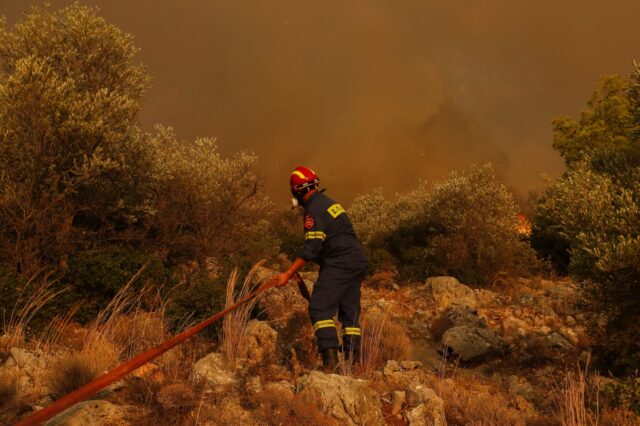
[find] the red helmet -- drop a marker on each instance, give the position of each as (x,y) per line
(303,178)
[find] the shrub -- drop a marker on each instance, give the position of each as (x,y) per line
(382,341)
(207,205)
(69,99)
(600,221)
(624,394)
(73,369)
(197,299)
(465,227)
(287,227)
(95,277)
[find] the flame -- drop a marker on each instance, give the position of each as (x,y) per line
(523,227)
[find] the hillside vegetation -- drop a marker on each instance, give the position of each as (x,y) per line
(113,238)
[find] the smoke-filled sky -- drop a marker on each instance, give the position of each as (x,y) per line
(375,93)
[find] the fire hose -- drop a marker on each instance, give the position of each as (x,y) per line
(138,361)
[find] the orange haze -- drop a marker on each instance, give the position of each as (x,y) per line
(375,93)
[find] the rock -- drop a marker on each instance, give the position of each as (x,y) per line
(397,399)
(94,413)
(429,407)
(473,344)
(551,346)
(457,316)
(260,341)
(253,385)
(447,291)
(29,362)
(561,292)
(410,365)
(485,297)
(392,366)
(282,386)
(422,416)
(514,328)
(519,386)
(543,330)
(570,335)
(213,370)
(350,401)
(526,299)
(10,362)
(149,372)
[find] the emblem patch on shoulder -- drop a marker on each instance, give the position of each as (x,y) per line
(309,222)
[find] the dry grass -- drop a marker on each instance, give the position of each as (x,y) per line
(572,399)
(71,371)
(619,417)
(467,405)
(27,307)
(235,323)
(372,329)
(139,331)
(277,408)
(74,369)
(577,392)
(125,300)
(382,340)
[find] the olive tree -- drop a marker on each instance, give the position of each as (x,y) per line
(69,96)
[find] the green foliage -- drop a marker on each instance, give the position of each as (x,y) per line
(69,97)
(12,289)
(94,277)
(593,213)
(465,226)
(287,228)
(199,298)
(624,394)
(206,204)
(603,126)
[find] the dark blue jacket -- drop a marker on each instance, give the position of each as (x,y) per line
(329,235)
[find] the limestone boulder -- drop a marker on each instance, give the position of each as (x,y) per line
(350,401)
(457,316)
(514,328)
(214,371)
(428,407)
(473,344)
(260,341)
(550,346)
(448,291)
(94,413)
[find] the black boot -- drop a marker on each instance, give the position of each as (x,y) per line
(329,360)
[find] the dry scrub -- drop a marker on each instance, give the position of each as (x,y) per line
(235,323)
(382,340)
(276,407)
(466,405)
(74,369)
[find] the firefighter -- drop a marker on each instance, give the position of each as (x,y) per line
(330,241)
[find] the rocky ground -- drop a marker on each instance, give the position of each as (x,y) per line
(436,353)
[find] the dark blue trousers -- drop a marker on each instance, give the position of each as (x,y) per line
(337,290)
